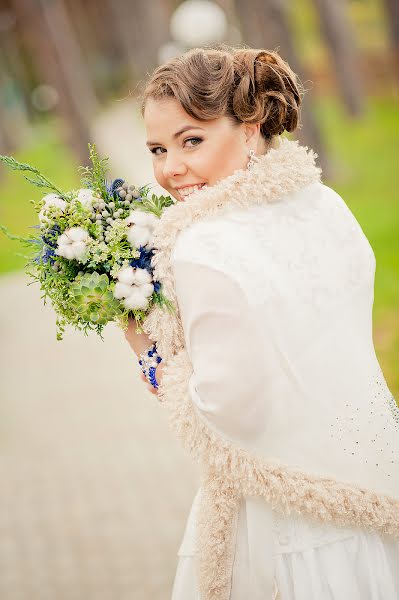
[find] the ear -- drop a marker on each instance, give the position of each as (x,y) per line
(252,132)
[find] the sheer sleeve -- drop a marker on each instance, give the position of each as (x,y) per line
(221,341)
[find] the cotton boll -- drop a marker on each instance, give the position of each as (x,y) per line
(142,276)
(136,300)
(66,251)
(147,289)
(79,250)
(77,234)
(138,217)
(54,200)
(122,290)
(51,200)
(71,244)
(63,239)
(141,225)
(42,216)
(127,275)
(152,220)
(48,198)
(85,197)
(138,236)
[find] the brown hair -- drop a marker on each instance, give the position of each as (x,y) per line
(245,84)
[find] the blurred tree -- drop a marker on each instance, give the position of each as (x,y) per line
(338,34)
(141,27)
(14,91)
(392,12)
(6,140)
(264,24)
(14,58)
(14,117)
(50,39)
(103,52)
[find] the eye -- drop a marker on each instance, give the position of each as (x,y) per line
(196,139)
(153,150)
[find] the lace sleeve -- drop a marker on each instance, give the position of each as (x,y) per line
(222,343)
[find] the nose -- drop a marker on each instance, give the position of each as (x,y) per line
(173,166)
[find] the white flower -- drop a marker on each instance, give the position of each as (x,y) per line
(126,275)
(122,290)
(51,200)
(141,226)
(136,300)
(86,197)
(134,287)
(142,276)
(72,244)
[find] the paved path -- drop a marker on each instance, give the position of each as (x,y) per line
(95,490)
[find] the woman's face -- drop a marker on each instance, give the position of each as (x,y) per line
(188,152)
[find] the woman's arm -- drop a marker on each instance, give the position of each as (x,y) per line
(139,342)
(224,348)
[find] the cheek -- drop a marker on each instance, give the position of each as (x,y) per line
(225,158)
(158,172)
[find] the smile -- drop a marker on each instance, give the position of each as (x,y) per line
(187,190)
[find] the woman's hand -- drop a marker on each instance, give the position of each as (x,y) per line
(158,376)
(139,342)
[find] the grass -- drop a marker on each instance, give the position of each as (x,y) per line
(48,154)
(364,155)
(366,151)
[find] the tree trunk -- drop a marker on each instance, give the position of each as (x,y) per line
(50,40)
(340,40)
(142,28)
(7,140)
(265,25)
(392,14)
(15,62)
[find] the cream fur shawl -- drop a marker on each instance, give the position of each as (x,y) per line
(228,471)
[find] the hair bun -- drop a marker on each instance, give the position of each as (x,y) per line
(266,91)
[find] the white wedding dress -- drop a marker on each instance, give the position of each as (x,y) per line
(309,560)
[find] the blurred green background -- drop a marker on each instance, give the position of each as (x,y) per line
(356,130)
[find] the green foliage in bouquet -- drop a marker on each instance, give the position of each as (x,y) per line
(92,250)
(92,298)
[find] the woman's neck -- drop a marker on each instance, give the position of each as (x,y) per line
(265,145)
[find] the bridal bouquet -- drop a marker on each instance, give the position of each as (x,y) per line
(92,249)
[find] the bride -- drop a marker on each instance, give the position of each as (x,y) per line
(268,366)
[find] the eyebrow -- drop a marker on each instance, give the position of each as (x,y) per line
(176,135)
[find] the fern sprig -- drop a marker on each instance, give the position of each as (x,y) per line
(94,176)
(39,180)
(155,204)
(19,238)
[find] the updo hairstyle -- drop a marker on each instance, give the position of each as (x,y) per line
(244,84)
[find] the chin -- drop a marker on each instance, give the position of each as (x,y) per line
(176,197)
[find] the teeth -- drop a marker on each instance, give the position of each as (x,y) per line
(189,190)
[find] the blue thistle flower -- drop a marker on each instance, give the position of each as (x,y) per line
(48,255)
(50,236)
(112,186)
(37,258)
(144,260)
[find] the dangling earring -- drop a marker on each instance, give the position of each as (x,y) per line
(252,160)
